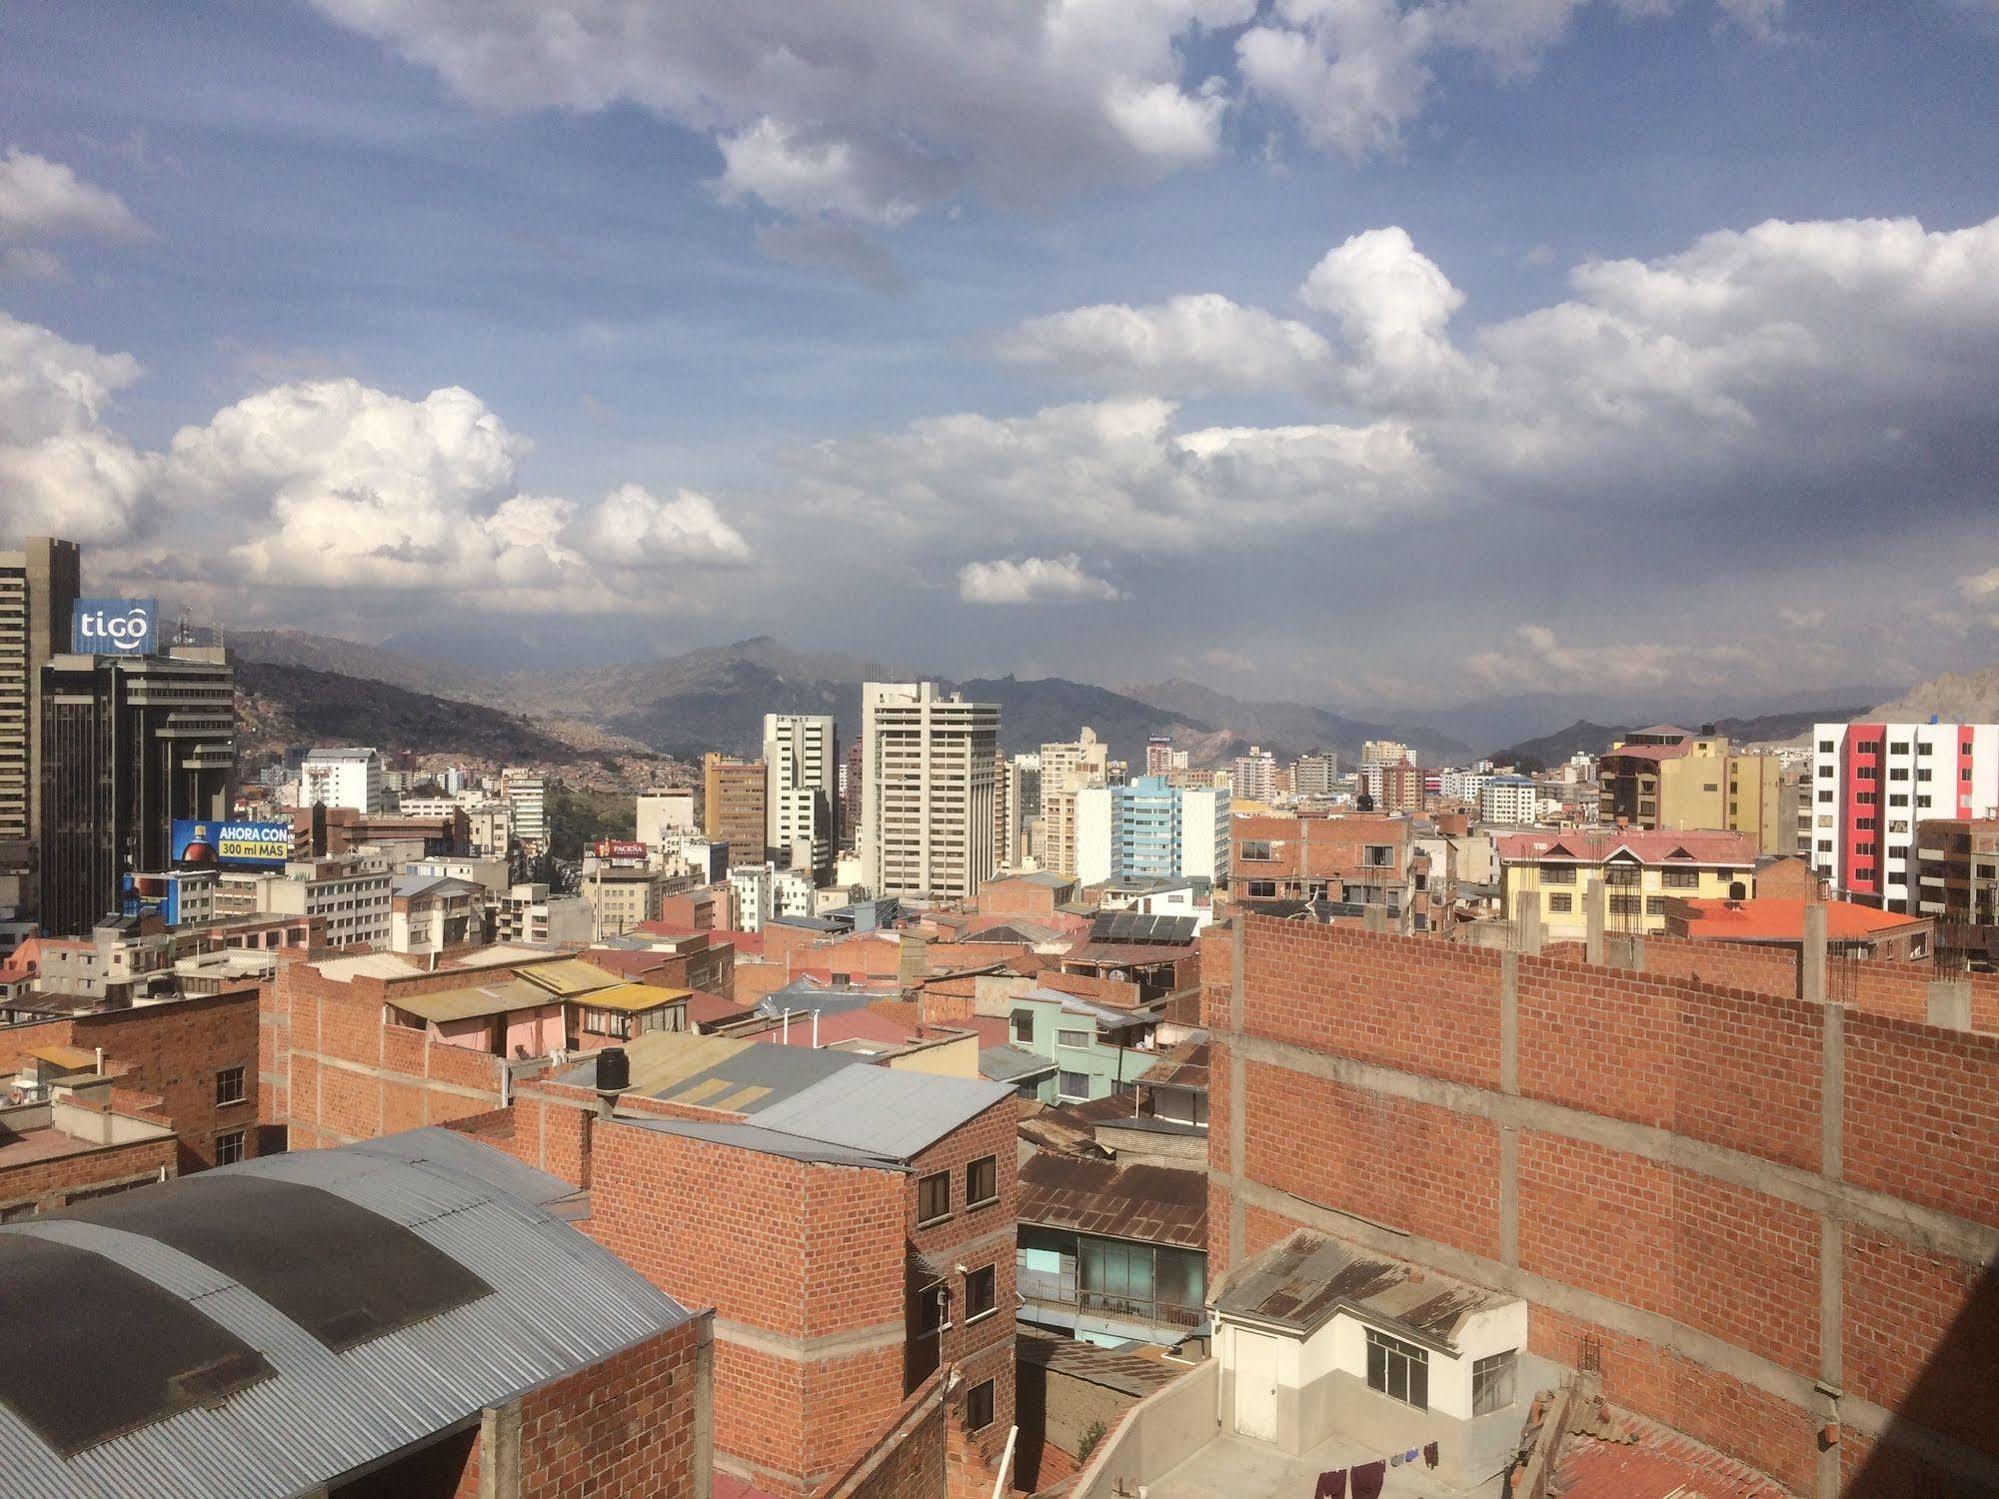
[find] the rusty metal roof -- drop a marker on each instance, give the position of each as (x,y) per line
(1127,1373)
(1300,1283)
(1149,1204)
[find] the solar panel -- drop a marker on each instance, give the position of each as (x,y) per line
(59,1301)
(1136,926)
(344,1274)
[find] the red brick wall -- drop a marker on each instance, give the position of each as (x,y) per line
(1735,1068)
(622,1427)
(906,1460)
(47,1184)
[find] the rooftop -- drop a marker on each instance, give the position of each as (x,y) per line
(1149,1204)
(882,1110)
(1300,1283)
(1645,845)
(288,1320)
(1772,918)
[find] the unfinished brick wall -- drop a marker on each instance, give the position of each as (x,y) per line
(44,1186)
(621,1427)
(906,1459)
(1653,1162)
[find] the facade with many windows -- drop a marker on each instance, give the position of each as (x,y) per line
(1558,874)
(1873,783)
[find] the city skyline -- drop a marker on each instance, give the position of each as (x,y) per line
(359,320)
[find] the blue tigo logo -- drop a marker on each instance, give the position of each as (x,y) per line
(113,627)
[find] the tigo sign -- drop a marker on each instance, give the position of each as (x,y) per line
(113,627)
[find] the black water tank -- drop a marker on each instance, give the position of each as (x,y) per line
(614,1070)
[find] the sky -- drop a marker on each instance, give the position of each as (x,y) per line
(1374,353)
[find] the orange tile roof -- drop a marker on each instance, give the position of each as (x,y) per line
(1774,919)
(1647,845)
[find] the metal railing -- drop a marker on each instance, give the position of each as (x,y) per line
(1059,1288)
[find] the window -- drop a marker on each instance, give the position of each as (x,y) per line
(1626,905)
(1681,879)
(1902,748)
(1074,1086)
(1256,850)
(933,1305)
(1023,1025)
(1867,798)
(979,1294)
(1864,824)
(1561,901)
(1558,874)
(1825,796)
(1398,1370)
(979,1406)
(982,1181)
(933,1197)
(1073,1038)
(229,1085)
(1263,889)
(1492,1383)
(1923,774)
(229,1148)
(1655,905)
(1825,746)
(1899,799)
(1899,773)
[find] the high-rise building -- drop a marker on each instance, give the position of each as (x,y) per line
(1023,810)
(129,744)
(926,791)
(342,776)
(1402,788)
(1315,774)
(1255,778)
(1384,752)
(732,809)
(1066,769)
(1670,778)
(850,796)
(801,801)
(1151,829)
(663,816)
(526,793)
(39,585)
(1873,783)
(1161,757)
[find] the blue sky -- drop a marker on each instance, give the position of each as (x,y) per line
(860,330)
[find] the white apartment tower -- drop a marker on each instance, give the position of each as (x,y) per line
(926,791)
(1255,777)
(342,776)
(801,800)
(1066,769)
(527,794)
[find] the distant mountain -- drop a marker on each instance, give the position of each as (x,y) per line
(1594,738)
(1954,697)
(346,658)
(1052,709)
(282,705)
(1514,719)
(1291,728)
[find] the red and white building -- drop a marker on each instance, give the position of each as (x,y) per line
(1872,783)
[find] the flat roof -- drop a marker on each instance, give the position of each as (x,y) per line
(882,1110)
(447,1005)
(374,965)
(1298,1284)
(632,997)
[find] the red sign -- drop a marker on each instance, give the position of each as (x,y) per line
(618,848)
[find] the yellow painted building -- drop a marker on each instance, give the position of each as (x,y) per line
(1558,873)
(1670,778)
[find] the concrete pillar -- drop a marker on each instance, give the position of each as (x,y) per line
(704,1409)
(1527,927)
(1811,958)
(1375,918)
(1596,909)
(500,1451)
(1950,1004)
(1624,950)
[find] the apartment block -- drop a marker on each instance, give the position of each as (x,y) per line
(1151,829)
(1873,783)
(39,585)
(732,810)
(1068,769)
(1558,875)
(1255,776)
(1670,778)
(526,794)
(343,776)
(349,893)
(801,794)
(927,791)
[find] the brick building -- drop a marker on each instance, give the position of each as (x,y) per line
(1768,1212)
(70,1135)
(1361,860)
(852,1225)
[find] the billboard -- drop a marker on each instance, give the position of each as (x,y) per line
(197,843)
(113,627)
(153,895)
(621,851)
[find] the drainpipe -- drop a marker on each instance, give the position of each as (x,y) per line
(1005,1462)
(815,1030)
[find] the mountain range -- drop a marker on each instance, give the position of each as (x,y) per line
(715,698)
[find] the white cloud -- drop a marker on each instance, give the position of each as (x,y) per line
(43,200)
(870,109)
(1980,586)
(1031,580)
(1392,303)
(633,525)
(62,472)
(1118,473)
(1186,343)
(1355,73)
(1541,660)
(1802,619)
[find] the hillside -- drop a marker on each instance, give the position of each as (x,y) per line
(1594,738)
(1290,728)
(348,658)
(281,706)
(1955,697)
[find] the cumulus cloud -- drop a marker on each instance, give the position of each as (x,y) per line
(1192,343)
(343,486)
(1032,580)
(44,200)
(1980,587)
(870,109)
(1118,472)
(1542,660)
(1392,303)
(1355,73)
(62,471)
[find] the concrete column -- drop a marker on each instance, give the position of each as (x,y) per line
(704,1409)
(1375,918)
(1527,929)
(1811,959)
(1596,910)
(1624,950)
(500,1451)
(1950,1004)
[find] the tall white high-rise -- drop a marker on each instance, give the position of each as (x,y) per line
(526,793)
(342,776)
(801,801)
(926,791)
(1066,769)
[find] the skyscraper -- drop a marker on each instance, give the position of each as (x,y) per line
(39,585)
(732,806)
(129,744)
(801,799)
(1065,770)
(926,790)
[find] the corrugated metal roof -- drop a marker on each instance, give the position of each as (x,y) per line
(569,977)
(881,1109)
(1301,1282)
(1010,1064)
(1148,1204)
(324,1414)
(465,1004)
(631,997)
